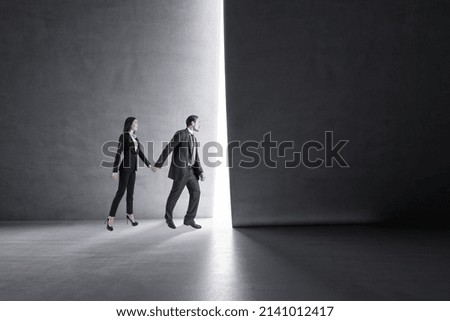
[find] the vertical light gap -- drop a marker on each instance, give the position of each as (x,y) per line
(222,205)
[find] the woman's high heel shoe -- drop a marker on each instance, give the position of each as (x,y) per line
(108,227)
(134,223)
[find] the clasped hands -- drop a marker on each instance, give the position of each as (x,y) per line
(115,175)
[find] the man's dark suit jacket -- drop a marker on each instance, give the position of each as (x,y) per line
(129,163)
(179,145)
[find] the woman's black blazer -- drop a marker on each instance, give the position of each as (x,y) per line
(130,161)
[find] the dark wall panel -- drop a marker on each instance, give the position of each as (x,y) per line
(375,73)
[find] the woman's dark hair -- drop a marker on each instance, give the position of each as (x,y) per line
(192,118)
(127,124)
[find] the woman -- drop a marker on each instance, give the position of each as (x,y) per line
(131,148)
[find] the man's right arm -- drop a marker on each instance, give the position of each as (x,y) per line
(168,149)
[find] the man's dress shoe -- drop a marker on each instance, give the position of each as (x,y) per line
(193,224)
(170,224)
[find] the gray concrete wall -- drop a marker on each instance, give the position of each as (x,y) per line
(376,73)
(71,72)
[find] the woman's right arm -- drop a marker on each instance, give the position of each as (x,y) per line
(118,154)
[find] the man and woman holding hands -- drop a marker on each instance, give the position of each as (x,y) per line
(185,170)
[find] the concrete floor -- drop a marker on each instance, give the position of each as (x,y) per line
(81,260)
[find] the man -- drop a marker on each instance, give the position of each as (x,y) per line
(185,170)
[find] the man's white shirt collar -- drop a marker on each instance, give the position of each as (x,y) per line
(190,130)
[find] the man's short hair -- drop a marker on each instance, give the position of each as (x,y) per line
(192,118)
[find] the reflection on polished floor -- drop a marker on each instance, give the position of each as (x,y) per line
(81,260)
